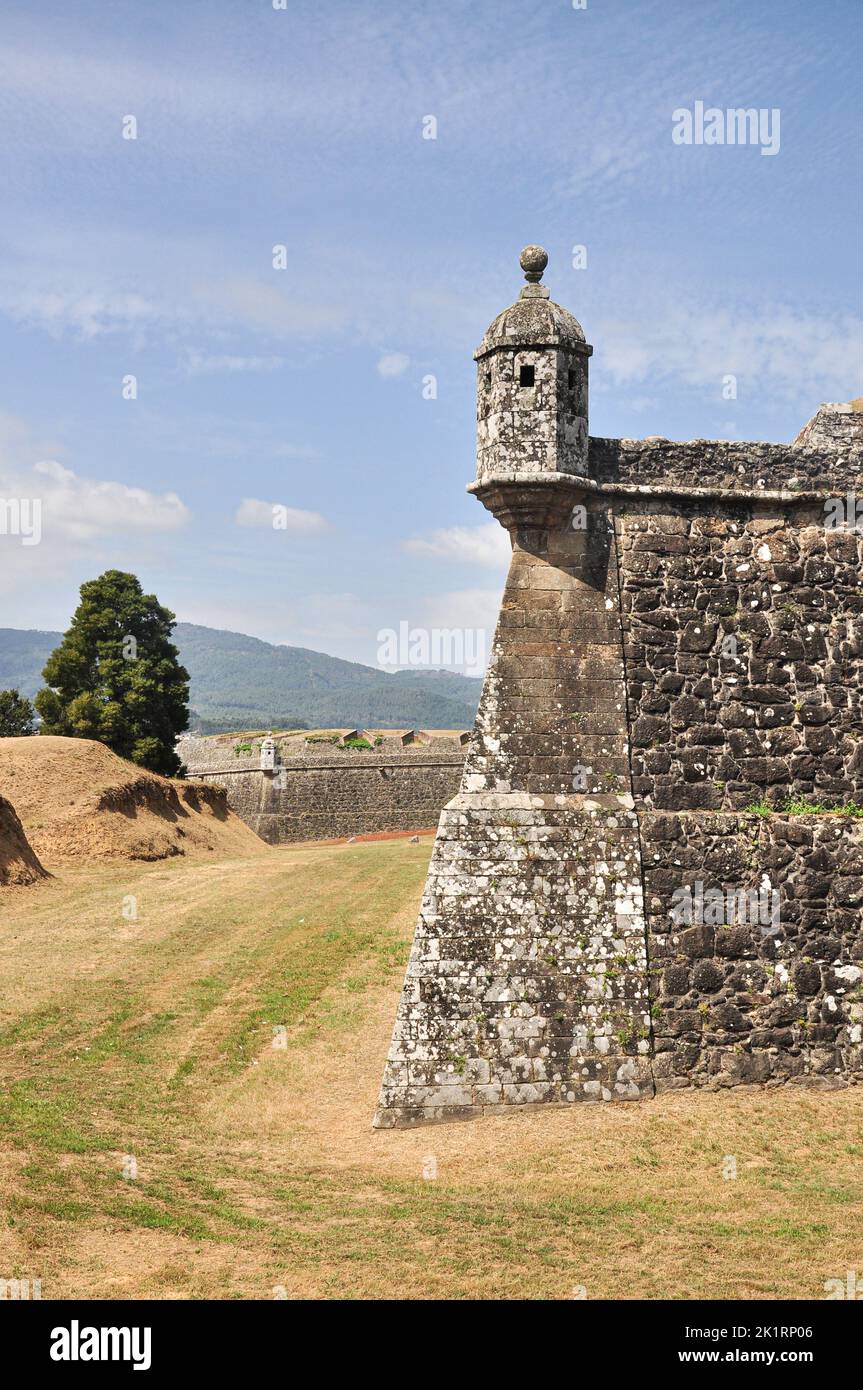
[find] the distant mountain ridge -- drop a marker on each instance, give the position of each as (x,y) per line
(241,682)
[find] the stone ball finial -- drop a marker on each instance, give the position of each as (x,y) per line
(533,261)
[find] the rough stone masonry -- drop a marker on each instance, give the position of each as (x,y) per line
(669,740)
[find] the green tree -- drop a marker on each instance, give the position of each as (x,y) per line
(16,715)
(116,676)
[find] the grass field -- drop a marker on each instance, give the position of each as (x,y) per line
(258,1174)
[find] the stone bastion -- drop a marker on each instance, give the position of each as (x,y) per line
(651,875)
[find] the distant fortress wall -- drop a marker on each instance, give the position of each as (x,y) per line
(320,791)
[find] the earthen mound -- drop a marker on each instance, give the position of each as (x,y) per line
(78,801)
(18,864)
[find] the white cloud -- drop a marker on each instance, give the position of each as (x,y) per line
(85,525)
(393,364)
(276,516)
(81,509)
(487,545)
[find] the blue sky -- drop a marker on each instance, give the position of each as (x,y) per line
(303,127)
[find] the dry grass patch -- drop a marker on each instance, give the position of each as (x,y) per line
(257,1167)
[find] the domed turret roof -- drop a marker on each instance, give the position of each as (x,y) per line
(534,317)
(533,320)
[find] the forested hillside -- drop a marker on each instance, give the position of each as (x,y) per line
(240,682)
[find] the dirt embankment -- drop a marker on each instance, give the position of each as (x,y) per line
(18,864)
(77,801)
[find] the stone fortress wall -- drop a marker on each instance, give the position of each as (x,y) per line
(652,874)
(742,614)
(319,791)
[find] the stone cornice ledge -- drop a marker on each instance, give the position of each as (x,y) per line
(578,483)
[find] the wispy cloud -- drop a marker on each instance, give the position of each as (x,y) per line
(487,545)
(473,609)
(90,300)
(302,619)
(699,341)
(275,516)
(201,363)
(164,289)
(218,436)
